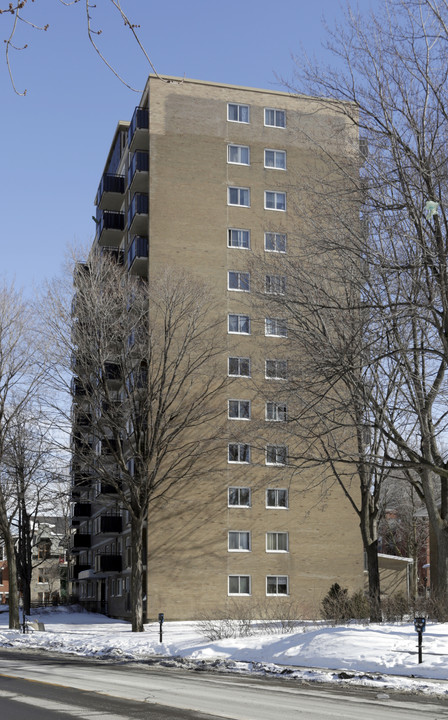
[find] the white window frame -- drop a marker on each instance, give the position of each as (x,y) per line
(238,234)
(278,195)
(245,594)
(240,107)
(278,410)
(277,154)
(281,327)
(239,149)
(278,112)
(276,505)
(278,238)
(241,280)
(240,361)
(239,548)
(239,504)
(277,578)
(275,365)
(277,449)
(241,319)
(275,284)
(243,450)
(275,536)
(239,416)
(240,191)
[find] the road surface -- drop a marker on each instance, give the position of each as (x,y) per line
(38,686)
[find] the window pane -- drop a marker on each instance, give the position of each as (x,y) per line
(233,496)
(244,584)
(244,196)
(244,496)
(271,585)
(233,196)
(234,586)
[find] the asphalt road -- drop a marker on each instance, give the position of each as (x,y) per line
(34,686)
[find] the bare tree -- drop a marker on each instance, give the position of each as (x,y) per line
(20,375)
(146,390)
(18,14)
(29,469)
(394,81)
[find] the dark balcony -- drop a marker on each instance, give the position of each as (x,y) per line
(114,254)
(105,489)
(105,562)
(76,569)
(138,256)
(138,214)
(109,227)
(81,541)
(138,172)
(110,193)
(79,389)
(138,135)
(82,510)
(82,419)
(111,373)
(110,524)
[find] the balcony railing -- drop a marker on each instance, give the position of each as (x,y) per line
(138,214)
(110,191)
(81,540)
(109,227)
(138,254)
(138,167)
(105,562)
(82,510)
(76,569)
(139,126)
(110,524)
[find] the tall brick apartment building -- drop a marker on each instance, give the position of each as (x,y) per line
(202,177)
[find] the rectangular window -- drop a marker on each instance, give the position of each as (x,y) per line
(238,154)
(239,497)
(239,584)
(238,238)
(238,113)
(275,242)
(276,455)
(277,542)
(239,541)
(239,367)
(239,324)
(277,585)
(273,200)
(276,498)
(275,284)
(276,412)
(238,281)
(274,117)
(239,409)
(275,159)
(238,453)
(239,196)
(276,369)
(276,326)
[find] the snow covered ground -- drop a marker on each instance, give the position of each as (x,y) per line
(382,656)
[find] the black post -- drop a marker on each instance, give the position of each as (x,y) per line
(161,619)
(420,637)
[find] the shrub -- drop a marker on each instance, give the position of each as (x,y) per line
(336,604)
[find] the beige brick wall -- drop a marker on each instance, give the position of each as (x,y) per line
(188,560)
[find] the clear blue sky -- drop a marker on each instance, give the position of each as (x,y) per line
(55,140)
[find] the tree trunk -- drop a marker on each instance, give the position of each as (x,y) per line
(14,619)
(439,572)
(374,581)
(137,574)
